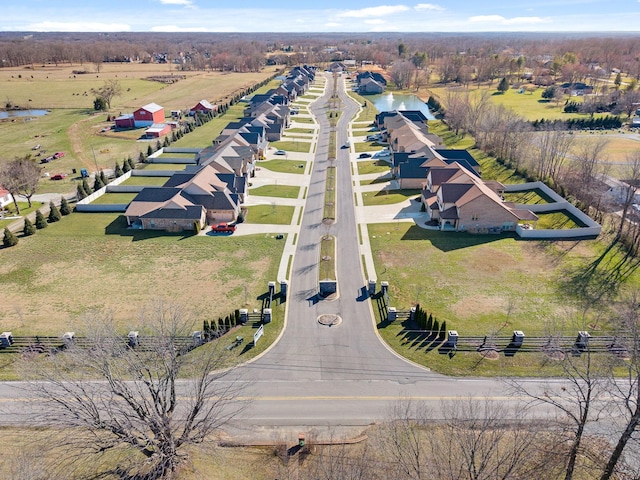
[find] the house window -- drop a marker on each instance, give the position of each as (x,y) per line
(474,217)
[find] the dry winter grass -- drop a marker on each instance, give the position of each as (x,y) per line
(91,261)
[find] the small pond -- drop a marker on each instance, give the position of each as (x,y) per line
(390,101)
(23,113)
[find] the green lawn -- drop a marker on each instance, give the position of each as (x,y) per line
(302,146)
(270,214)
(367,147)
(114,198)
(146,181)
(530,197)
(557,220)
(375,181)
(487,284)
(24,210)
(387,197)
(372,166)
(369,112)
(300,130)
(284,166)
(281,191)
(299,119)
(164,166)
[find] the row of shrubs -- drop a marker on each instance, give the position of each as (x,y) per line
(214,329)
(55,215)
(607,122)
(429,323)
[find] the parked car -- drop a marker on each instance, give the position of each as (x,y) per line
(58,176)
(36,147)
(280,152)
(58,155)
(48,159)
(364,155)
(347,144)
(223,228)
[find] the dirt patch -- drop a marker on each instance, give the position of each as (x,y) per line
(479,305)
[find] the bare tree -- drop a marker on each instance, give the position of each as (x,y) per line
(340,461)
(401,73)
(632,182)
(109,90)
(575,399)
(20,177)
(586,166)
(482,439)
(626,390)
(549,149)
(133,398)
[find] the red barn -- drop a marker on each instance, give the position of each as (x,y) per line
(125,121)
(157,130)
(148,115)
(203,106)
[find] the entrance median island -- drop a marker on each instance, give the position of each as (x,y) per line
(328,285)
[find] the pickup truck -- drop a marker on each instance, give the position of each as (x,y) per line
(223,228)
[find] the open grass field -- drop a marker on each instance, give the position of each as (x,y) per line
(387,197)
(284,166)
(270,214)
(91,261)
(280,191)
(74,128)
(557,220)
(487,284)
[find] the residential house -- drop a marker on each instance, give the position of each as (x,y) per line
(5,197)
(199,195)
(456,199)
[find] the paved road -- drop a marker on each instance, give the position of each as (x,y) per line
(341,375)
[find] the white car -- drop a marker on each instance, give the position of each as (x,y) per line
(280,152)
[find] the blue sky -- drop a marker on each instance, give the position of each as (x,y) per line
(319,15)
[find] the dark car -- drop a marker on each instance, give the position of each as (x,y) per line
(364,155)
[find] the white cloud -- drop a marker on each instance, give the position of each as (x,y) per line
(335,24)
(500,20)
(77,27)
(374,21)
(175,28)
(380,11)
(431,7)
(186,3)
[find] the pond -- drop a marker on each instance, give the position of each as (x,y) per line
(390,101)
(23,113)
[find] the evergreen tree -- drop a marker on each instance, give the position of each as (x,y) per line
(443,330)
(65,209)
(80,193)
(158,145)
(54,213)
(131,164)
(97,183)
(141,158)
(29,228)
(118,170)
(166,142)
(503,86)
(9,239)
(86,187)
(126,167)
(149,150)
(103,179)
(41,222)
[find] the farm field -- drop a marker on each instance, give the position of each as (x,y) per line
(72,126)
